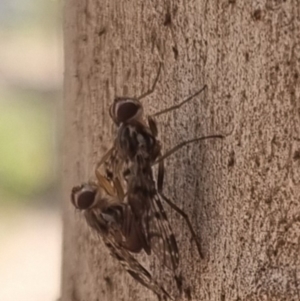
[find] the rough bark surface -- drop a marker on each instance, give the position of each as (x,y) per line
(242,194)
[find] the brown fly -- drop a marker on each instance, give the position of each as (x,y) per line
(135,151)
(125,206)
(113,220)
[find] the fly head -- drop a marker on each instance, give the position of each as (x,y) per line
(125,109)
(84,196)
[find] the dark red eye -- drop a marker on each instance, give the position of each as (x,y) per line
(127,111)
(85,199)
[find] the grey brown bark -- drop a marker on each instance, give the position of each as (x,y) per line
(242,194)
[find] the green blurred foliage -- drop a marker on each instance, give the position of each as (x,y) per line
(28,98)
(27,160)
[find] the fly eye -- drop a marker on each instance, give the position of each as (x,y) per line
(85,199)
(127,111)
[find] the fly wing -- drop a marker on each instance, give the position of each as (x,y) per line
(116,169)
(162,239)
(111,236)
(135,269)
(147,207)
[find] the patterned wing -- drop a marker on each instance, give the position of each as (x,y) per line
(162,239)
(147,207)
(111,237)
(115,168)
(136,270)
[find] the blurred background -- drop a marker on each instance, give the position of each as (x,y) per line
(31,64)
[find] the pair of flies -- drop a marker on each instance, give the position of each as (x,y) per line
(124,205)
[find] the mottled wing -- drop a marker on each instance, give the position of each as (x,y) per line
(136,270)
(111,237)
(162,239)
(147,207)
(115,168)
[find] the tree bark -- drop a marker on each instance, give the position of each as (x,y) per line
(242,194)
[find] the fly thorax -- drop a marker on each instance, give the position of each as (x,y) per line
(127,141)
(134,142)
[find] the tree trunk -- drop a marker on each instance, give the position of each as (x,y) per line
(242,193)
